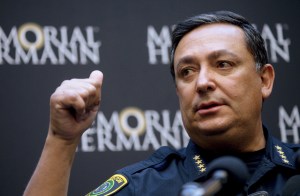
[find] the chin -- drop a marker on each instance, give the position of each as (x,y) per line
(213,134)
(216,127)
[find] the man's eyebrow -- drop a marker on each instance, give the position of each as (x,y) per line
(190,59)
(186,60)
(220,53)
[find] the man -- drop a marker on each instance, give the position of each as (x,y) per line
(222,77)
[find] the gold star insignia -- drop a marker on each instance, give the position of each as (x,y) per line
(203,169)
(278,147)
(196,157)
(283,156)
(286,161)
(198,162)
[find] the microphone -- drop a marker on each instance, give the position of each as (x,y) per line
(227,174)
(292,187)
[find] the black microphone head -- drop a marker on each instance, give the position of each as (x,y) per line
(236,169)
(190,189)
(292,187)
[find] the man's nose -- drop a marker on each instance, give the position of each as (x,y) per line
(206,81)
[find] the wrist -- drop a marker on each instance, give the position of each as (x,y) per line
(55,139)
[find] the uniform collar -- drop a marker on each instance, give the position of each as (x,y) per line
(195,162)
(277,152)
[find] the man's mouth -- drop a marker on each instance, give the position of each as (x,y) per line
(207,107)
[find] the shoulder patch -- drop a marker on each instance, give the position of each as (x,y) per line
(110,186)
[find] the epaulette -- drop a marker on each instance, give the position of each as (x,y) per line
(285,153)
(158,160)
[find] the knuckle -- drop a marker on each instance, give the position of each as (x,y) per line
(72,96)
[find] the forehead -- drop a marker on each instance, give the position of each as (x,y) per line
(212,37)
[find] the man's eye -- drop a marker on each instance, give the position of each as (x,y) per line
(186,72)
(224,64)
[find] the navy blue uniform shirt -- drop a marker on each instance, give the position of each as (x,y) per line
(165,172)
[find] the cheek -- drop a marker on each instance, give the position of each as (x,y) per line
(243,82)
(185,95)
(244,94)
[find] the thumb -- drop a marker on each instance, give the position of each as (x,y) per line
(97,76)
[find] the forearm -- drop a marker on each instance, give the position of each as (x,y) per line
(73,108)
(51,176)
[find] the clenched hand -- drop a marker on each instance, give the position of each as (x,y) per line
(74,105)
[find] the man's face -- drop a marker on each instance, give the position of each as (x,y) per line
(219,89)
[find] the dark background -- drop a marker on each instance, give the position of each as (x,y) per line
(129,78)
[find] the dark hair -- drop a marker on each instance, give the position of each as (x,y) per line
(254,41)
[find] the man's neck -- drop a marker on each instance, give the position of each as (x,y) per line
(230,143)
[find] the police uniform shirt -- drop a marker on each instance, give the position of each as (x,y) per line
(167,170)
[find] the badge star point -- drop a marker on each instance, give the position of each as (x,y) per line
(196,157)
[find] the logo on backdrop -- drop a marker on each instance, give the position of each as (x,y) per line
(159,43)
(289,124)
(34,44)
(134,129)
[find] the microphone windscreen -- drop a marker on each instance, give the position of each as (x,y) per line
(237,171)
(292,187)
(190,189)
(234,166)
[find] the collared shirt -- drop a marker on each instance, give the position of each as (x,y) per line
(167,170)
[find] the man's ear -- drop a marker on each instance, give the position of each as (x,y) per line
(267,74)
